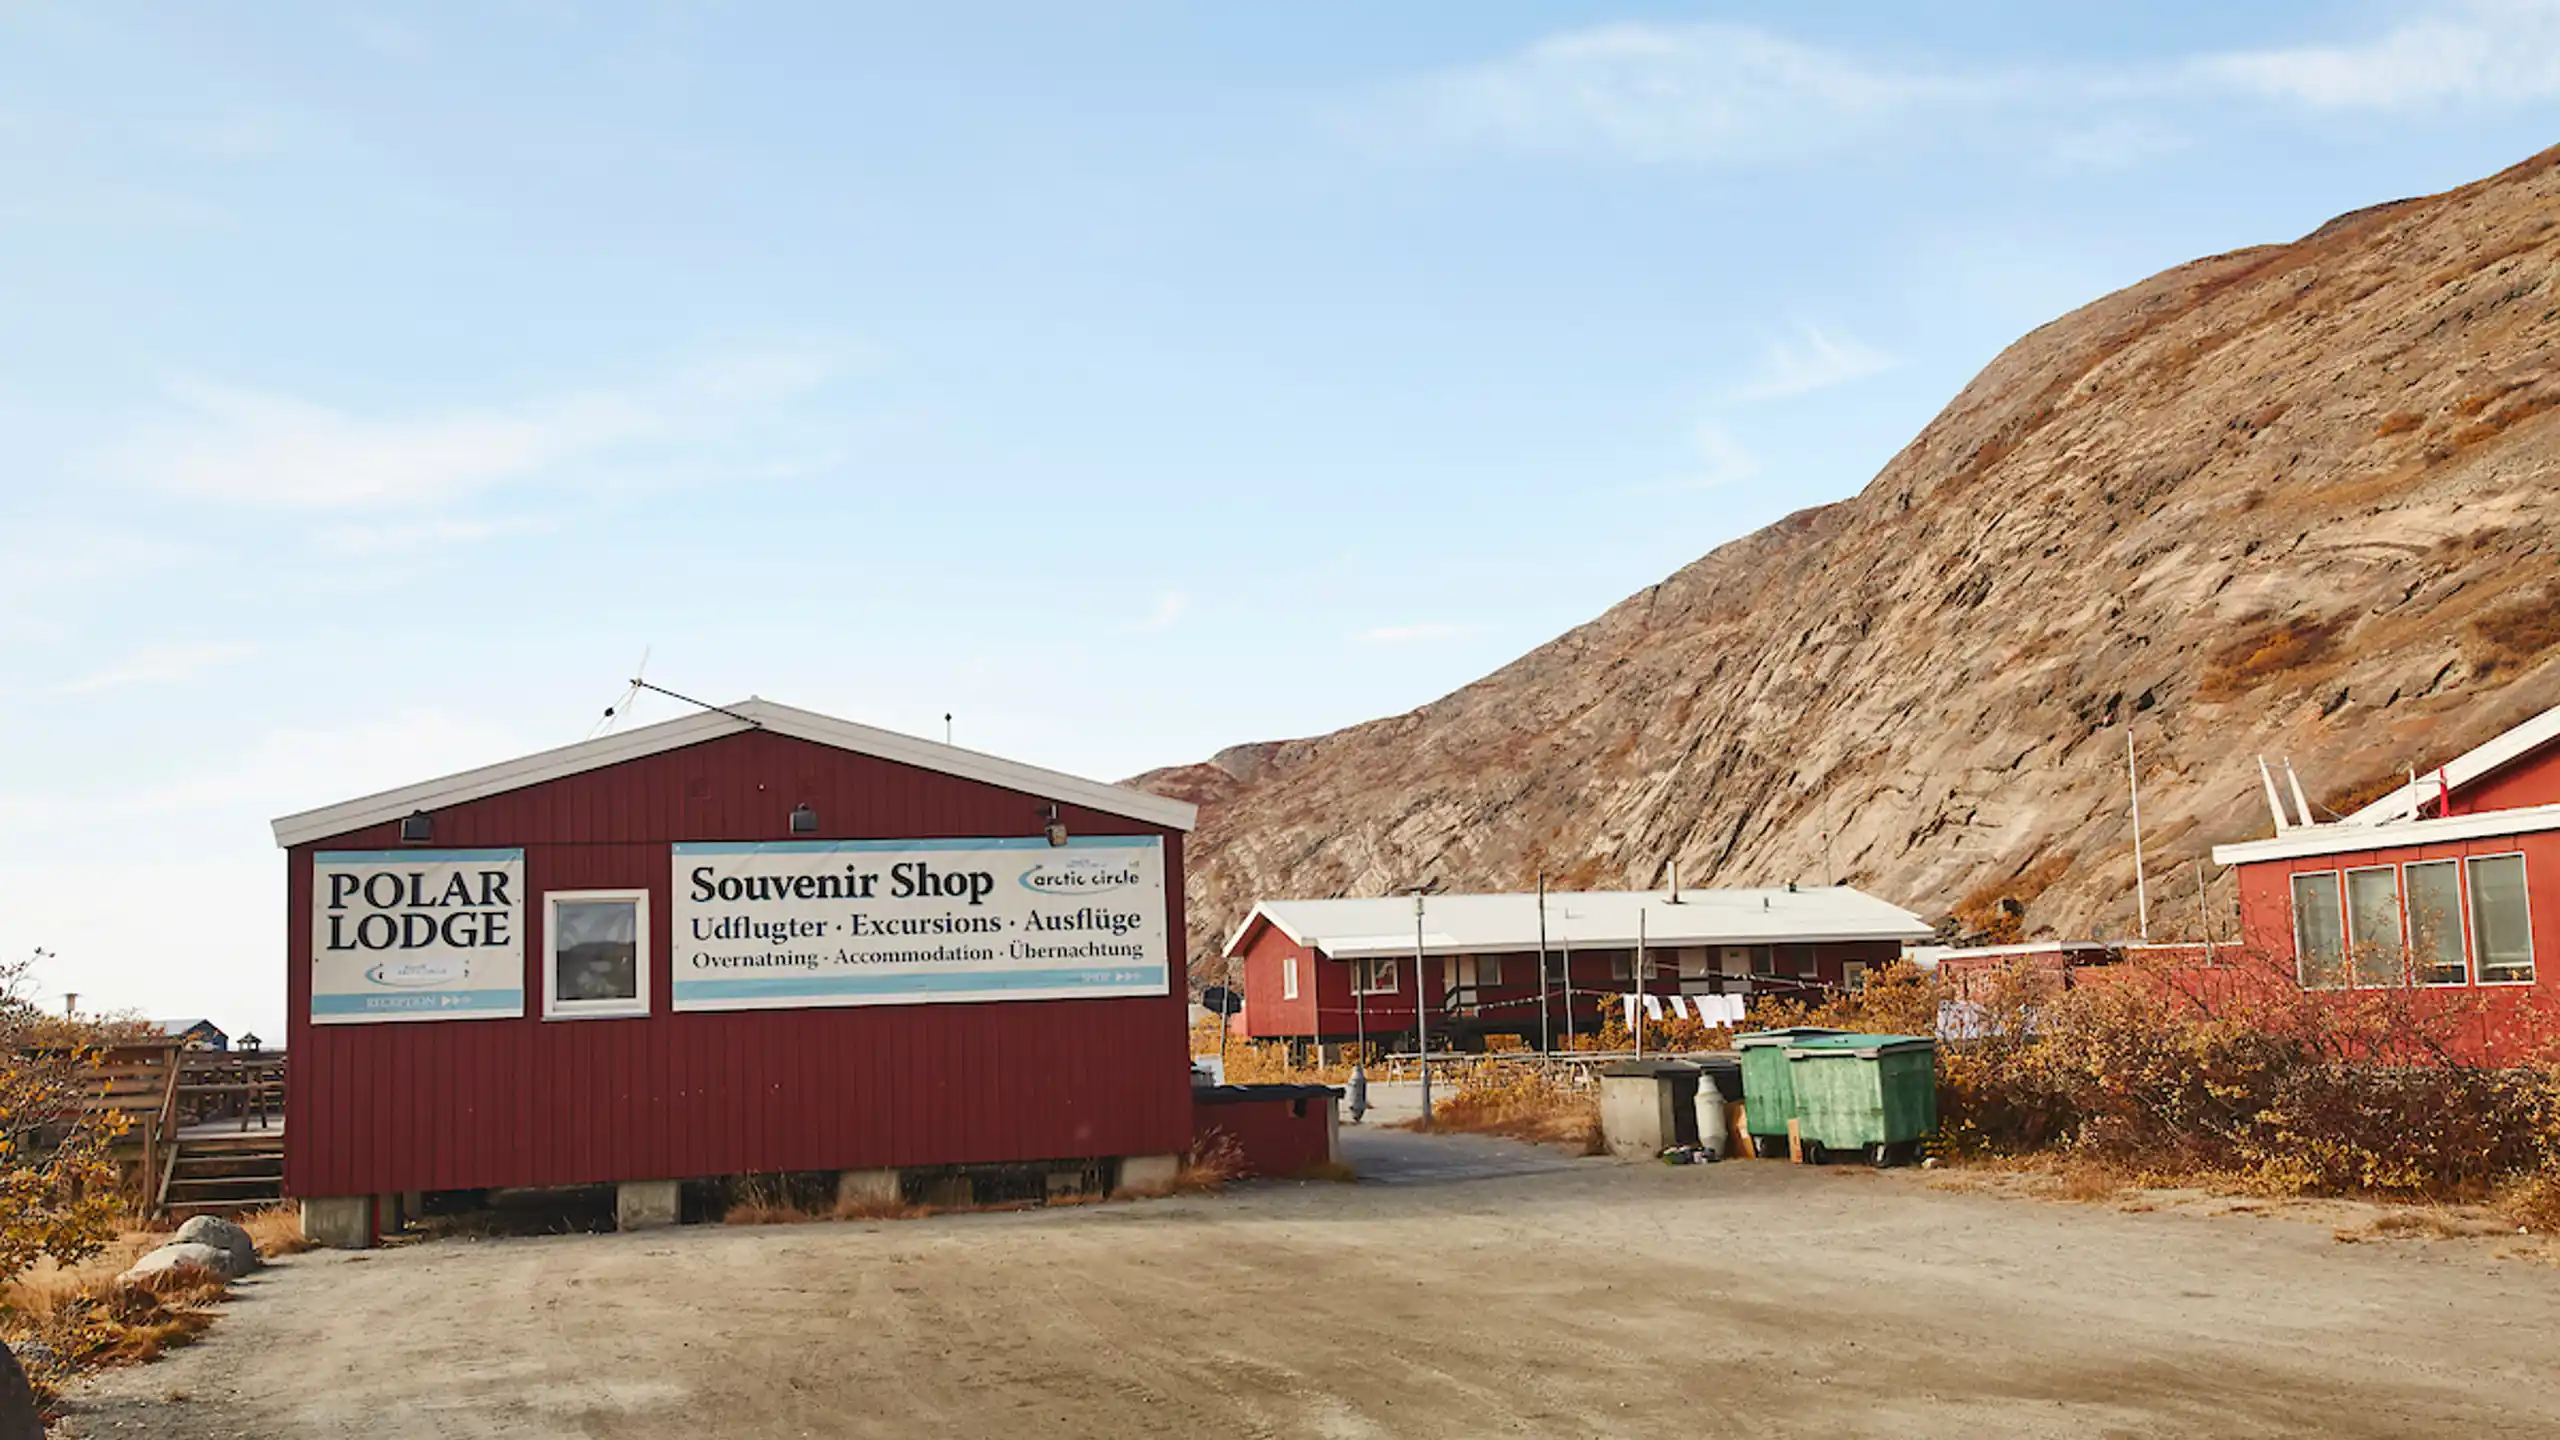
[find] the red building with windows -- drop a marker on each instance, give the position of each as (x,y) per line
(2450,884)
(1543,968)
(750,941)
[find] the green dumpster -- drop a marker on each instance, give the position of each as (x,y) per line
(1768,1095)
(1872,1093)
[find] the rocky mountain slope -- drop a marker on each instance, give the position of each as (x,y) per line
(2291,501)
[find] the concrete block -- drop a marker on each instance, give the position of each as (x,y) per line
(1636,1116)
(647,1204)
(1149,1172)
(340,1222)
(950,1192)
(867,1189)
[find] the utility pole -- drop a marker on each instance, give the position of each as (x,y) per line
(2133,779)
(1546,1041)
(1636,1015)
(1421,1010)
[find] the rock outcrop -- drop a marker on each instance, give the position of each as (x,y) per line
(2293,501)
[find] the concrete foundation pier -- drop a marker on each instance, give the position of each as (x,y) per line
(647,1204)
(339,1222)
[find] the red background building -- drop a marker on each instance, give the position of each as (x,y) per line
(2450,885)
(1330,971)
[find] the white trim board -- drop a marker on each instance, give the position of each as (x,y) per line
(568,760)
(2346,839)
(2470,765)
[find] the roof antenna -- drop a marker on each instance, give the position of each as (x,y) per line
(1675,883)
(2275,803)
(946,727)
(640,684)
(621,707)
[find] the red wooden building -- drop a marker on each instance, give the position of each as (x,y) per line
(2450,884)
(1331,971)
(755,940)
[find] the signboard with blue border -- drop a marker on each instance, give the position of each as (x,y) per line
(792,924)
(416,935)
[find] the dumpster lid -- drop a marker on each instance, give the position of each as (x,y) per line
(1640,1068)
(1865,1047)
(1788,1036)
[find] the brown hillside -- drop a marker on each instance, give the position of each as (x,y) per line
(2288,501)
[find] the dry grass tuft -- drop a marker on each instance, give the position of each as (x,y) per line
(2398,423)
(2534,1202)
(1524,1103)
(277,1230)
(2265,653)
(85,1319)
(2518,632)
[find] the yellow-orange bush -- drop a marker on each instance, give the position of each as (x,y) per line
(2234,1073)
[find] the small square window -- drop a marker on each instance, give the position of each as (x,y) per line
(595,954)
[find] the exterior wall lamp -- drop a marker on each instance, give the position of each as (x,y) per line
(418,828)
(1055,828)
(804,821)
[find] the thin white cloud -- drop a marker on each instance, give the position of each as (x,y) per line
(1170,608)
(2488,52)
(279,450)
(160,665)
(1812,359)
(1726,94)
(1722,461)
(1706,92)
(403,537)
(1416,634)
(256,448)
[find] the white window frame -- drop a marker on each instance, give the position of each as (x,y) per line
(2293,916)
(2479,963)
(555,1008)
(2461,923)
(1289,977)
(2347,924)
(1482,980)
(1365,973)
(1853,975)
(1622,967)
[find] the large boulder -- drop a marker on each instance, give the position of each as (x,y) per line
(18,1418)
(225,1236)
(189,1255)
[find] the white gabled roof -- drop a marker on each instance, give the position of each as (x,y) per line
(2343,838)
(1597,919)
(736,719)
(2404,803)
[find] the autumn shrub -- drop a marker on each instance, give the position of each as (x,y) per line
(2234,1073)
(2265,653)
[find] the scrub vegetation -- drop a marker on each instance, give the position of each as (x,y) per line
(2233,1077)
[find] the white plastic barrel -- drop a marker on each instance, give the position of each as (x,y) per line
(1711,1117)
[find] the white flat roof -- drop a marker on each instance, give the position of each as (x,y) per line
(1585,919)
(735,719)
(2344,838)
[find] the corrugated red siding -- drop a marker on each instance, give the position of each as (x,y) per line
(467,1104)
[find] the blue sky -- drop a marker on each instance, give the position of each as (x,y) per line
(1127,380)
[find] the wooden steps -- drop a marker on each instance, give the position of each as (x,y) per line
(224,1174)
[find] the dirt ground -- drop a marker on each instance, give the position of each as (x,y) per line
(1468,1287)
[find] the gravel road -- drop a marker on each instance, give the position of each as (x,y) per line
(1469,1287)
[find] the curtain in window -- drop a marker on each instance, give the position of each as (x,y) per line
(2319,931)
(2435,922)
(2501,918)
(2373,925)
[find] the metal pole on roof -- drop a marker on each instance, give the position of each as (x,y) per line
(2204,920)
(1546,1041)
(2141,893)
(1421,1010)
(1642,989)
